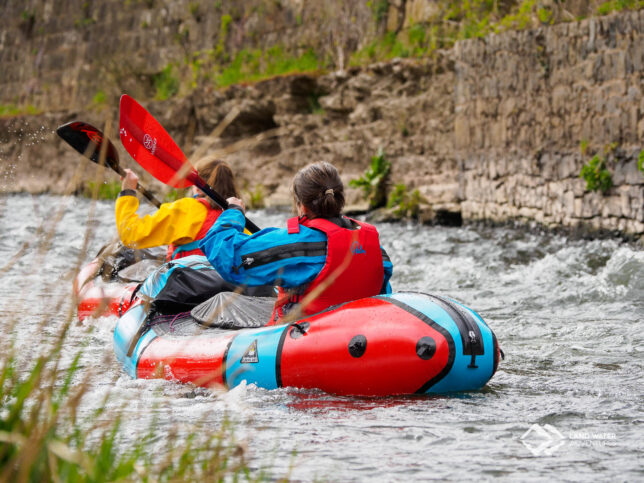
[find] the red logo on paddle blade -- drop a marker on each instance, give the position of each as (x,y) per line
(93,136)
(150,143)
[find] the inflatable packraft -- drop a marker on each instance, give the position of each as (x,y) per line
(106,285)
(401,343)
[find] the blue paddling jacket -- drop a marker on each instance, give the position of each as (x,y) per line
(272,256)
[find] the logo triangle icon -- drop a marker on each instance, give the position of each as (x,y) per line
(250,356)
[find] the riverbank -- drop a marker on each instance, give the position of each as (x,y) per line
(495,129)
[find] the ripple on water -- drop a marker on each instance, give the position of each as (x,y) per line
(568,313)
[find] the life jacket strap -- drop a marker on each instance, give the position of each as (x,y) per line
(293,225)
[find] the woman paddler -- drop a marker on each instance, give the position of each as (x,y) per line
(321,259)
(180,224)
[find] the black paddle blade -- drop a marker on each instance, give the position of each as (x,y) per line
(87,140)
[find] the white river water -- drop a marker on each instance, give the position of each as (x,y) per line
(569,315)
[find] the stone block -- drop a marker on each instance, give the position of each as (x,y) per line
(626,172)
(612,206)
(560,98)
(461,132)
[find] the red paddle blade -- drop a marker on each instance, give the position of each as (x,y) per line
(152,147)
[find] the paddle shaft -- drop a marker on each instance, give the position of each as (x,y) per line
(139,188)
(203,186)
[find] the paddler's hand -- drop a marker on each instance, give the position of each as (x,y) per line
(237,202)
(130,180)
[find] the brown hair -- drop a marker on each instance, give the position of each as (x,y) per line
(318,187)
(219,176)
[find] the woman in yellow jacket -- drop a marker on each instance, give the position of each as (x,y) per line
(180,224)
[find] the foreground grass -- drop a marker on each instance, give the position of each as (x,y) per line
(43,438)
(54,426)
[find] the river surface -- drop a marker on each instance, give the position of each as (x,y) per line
(569,315)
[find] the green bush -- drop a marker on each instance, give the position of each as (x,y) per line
(404,203)
(640,161)
(375,180)
(597,177)
(256,197)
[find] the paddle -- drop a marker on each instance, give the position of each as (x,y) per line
(89,141)
(153,148)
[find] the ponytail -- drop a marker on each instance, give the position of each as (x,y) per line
(318,187)
(218,175)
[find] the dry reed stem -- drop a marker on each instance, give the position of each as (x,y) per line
(43,418)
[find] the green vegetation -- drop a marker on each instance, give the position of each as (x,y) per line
(314,104)
(223,33)
(374,183)
(194,10)
(597,177)
(99,100)
(84,22)
(224,65)
(28,16)
(214,67)
(166,84)
(609,148)
(255,197)
(640,161)
(102,191)
(379,9)
(44,438)
(254,65)
(375,186)
(175,194)
(9,110)
(404,203)
(458,20)
(59,419)
(619,5)
(455,20)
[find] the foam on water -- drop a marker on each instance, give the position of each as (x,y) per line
(569,315)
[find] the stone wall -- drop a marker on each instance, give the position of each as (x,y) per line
(58,54)
(490,129)
(526,102)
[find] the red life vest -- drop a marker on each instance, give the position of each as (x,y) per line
(353,268)
(192,248)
